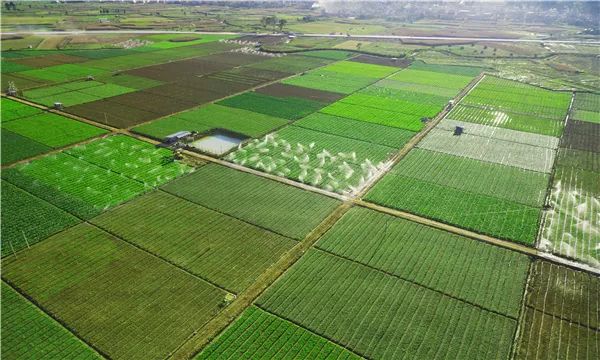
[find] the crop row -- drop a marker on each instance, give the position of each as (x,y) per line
(562,314)
(480,177)
(280,208)
(489,149)
(210,117)
(282,107)
(480,213)
(390,318)
(507,120)
(217,247)
(430,78)
(28,333)
(468,270)
(392,118)
(356,129)
(327,161)
(27,219)
(259,334)
(98,286)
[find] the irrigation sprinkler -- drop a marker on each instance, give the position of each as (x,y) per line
(25,237)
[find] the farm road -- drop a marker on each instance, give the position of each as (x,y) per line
(375,37)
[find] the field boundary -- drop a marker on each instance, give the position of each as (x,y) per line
(197,341)
(46,312)
(313,332)
(420,135)
(416,283)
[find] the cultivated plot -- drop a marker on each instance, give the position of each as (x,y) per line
(28,333)
(211,117)
(27,219)
(259,334)
(331,162)
(277,207)
(477,273)
(96,284)
(214,246)
(561,314)
(382,316)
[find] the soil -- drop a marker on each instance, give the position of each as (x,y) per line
(284,90)
(379,60)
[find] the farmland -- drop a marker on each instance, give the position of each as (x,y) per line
(220,248)
(260,334)
(508,172)
(562,308)
(571,226)
(23,323)
(224,184)
(27,131)
(274,206)
(107,321)
(323,281)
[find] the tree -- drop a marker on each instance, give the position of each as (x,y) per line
(281,24)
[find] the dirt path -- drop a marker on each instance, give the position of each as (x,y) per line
(373,36)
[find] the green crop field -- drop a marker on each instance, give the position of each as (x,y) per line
(507,120)
(484,148)
(382,316)
(431,258)
(98,286)
(480,213)
(448,69)
(99,187)
(357,68)
(27,219)
(282,107)
(28,333)
(521,101)
(393,181)
(12,110)
(280,208)
(377,116)
(419,88)
(53,195)
(219,248)
(569,229)
(53,130)
(562,313)
(354,129)
(331,162)
(132,158)
(382,93)
(431,78)
(211,117)
(323,79)
(258,334)
(480,177)
(16,147)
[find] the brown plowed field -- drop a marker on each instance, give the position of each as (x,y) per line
(284,90)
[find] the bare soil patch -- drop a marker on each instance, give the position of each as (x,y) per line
(284,90)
